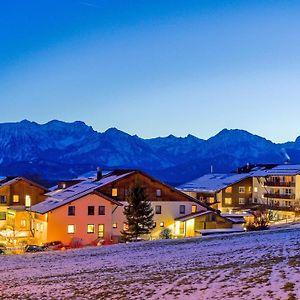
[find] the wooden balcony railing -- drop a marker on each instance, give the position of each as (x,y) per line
(279,196)
(280,184)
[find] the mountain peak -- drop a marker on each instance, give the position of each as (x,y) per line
(115,131)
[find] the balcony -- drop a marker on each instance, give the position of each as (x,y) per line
(281,208)
(273,206)
(279,196)
(280,184)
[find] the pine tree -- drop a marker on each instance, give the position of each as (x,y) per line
(139,214)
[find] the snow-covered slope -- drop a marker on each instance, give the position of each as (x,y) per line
(262,265)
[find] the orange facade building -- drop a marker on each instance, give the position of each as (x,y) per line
(90,210)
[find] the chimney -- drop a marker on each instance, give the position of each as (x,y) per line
(99,173)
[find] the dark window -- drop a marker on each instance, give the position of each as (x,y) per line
(71,210)
(158,209)
(2,199)
(182,209)
(101,210)
(211,218)
(2,215)
(91,210)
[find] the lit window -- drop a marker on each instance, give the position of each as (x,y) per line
(241,189)
(37,227)
(23,223)
(27,201)
(242,200)
(2,215)
(90,228)
(228,201)
(194,208)
(101,230)
(125,226)
(210,200)
(71,228)
(3,199)
(250,189)
(42,228)
(158,193)
(16,198)
(255,190)
(115,225)
(181,228)
(228,189)
(162,224)
(71,210)
(114,192)
(158,209)
(182,209)
(91,210)
(101,210)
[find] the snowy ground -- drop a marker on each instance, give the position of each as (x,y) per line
(243,266)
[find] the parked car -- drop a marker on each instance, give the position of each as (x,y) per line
(55,245)
(34,248)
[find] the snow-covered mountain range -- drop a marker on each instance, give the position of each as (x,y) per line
(58,150)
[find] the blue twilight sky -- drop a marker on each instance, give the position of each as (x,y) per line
(153,67)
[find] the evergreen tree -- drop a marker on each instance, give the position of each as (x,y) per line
(138,212)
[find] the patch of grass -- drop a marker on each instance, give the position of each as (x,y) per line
(289,287)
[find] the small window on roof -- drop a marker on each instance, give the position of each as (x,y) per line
(158,192)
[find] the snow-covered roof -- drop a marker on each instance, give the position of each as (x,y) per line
(92,175)
(61,197)
(235,219)
(211,183)
(280,170)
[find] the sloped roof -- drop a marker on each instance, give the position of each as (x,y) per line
(10,180)
(211,183)
(62,197)
(231,218)
(280,170)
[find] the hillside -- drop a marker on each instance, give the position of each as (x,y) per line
(262,265)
